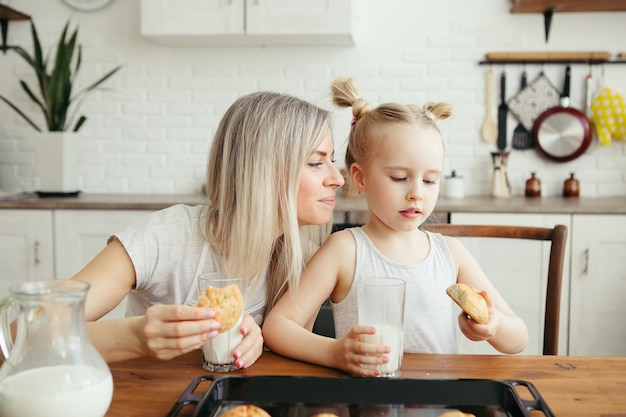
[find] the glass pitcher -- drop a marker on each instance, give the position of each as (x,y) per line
(51,369)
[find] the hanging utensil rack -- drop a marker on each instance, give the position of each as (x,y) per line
(588,58)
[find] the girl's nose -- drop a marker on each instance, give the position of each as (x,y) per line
(414,194)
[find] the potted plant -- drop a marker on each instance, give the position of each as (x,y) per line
(59,103)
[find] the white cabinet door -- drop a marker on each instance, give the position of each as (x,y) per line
(598,288)
(249,22)
(82,234)
(26,251)
(519,271)
(293,17)
(191,17)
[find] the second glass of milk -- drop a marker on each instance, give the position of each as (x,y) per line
(381,304)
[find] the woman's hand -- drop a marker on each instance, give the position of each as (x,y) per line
(168,331)
(350,353)
(251,347)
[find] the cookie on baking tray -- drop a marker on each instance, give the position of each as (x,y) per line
(471,301)
(246,410)
(227,303)
(456,413)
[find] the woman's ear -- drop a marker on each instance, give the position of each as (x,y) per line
(356,175)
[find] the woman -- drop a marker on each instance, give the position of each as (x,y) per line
(270,171)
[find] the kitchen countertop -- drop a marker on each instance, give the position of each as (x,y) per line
(545,205)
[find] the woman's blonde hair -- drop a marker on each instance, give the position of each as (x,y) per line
(368,122)
(259,150)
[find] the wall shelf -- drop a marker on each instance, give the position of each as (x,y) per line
(7,14)
(541,6)
(549,7)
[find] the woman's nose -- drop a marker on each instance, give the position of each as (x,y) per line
(335,179)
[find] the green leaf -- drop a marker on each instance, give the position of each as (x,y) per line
(55,98)
(30,122)
(79,123)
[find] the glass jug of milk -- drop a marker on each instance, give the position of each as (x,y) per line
(51,368)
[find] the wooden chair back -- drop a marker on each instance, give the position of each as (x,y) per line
(557,237)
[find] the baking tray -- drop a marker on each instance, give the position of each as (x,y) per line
(294,396)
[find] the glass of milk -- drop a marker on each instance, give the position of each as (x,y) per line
(217,353)
(381,304)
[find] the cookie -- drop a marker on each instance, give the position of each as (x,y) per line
(471,301)
(227,303)
(246,410)
(456,414)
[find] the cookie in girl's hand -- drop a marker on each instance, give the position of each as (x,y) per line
(471,301)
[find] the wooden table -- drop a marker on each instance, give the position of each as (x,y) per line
(571,385)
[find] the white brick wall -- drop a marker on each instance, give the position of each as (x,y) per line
(150,131)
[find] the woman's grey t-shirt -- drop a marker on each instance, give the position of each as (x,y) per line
(168,252)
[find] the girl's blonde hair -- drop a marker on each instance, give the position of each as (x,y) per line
(259,150)
(368,122)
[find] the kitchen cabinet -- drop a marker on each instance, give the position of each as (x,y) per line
(519,271)
(598,285)
(26,247)
(55,244)
(82,234)
(249,22)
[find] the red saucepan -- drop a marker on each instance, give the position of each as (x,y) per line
(562,133)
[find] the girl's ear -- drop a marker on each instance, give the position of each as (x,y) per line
(357,177)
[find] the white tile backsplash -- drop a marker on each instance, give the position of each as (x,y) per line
(149,132)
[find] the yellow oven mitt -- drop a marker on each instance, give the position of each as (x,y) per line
(608,114)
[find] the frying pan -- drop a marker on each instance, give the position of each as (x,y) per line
(562,133)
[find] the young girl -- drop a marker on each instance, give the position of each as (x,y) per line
(395,156)
(270,171)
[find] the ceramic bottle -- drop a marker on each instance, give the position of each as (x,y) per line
(571,187)
(533,186)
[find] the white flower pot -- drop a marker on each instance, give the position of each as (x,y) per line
(57,162)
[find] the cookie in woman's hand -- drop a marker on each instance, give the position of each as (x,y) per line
(227,303)
(471,301)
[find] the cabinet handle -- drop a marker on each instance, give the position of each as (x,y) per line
(37,253)
(586,268)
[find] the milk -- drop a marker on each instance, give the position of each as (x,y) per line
(217,353)
(55,391)
(391,336)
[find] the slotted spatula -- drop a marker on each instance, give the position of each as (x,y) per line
(522,139)
(502,114)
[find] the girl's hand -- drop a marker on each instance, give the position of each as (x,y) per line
(477,332)
(350,353)
(168,331)
(251,347)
